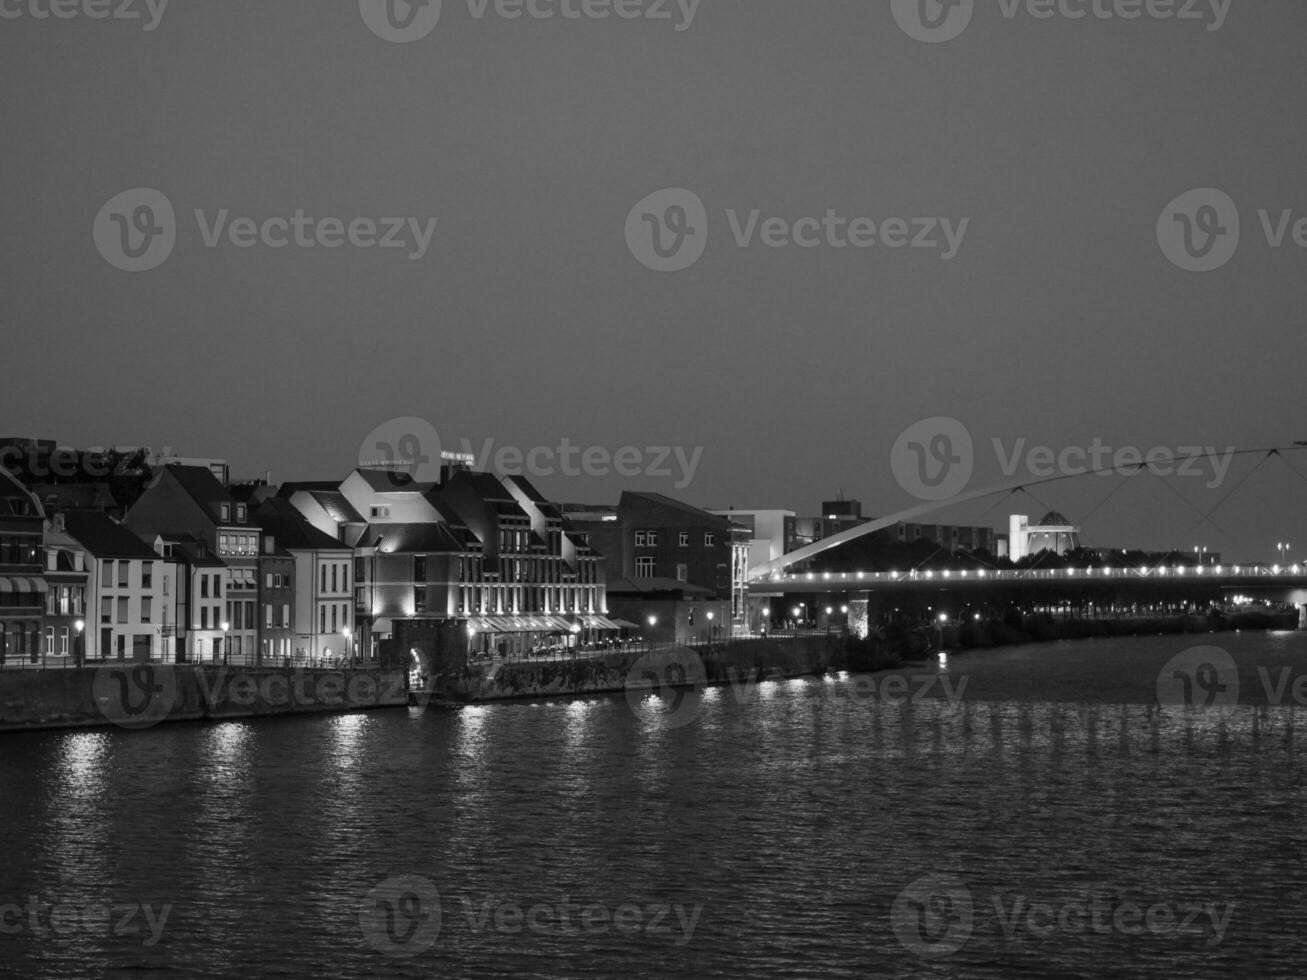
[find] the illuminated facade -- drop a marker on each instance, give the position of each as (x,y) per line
(1053,533)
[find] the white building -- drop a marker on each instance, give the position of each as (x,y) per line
(131,592)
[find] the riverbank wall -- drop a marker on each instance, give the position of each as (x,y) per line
(137,696)
(662,668)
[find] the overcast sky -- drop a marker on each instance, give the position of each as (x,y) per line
(1058,318)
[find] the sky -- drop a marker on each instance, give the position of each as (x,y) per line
(1031,294)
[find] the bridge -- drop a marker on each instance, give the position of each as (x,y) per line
(765,575)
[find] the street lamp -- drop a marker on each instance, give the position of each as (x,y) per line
(1282,547)
(653,621)
(711,629)
(940,620)
(226,649)
(346,634)
(79,652)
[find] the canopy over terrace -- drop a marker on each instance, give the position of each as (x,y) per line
(509,635)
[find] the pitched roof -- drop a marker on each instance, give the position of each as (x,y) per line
(291,530)
(662,500)
(104,537)
(202,485)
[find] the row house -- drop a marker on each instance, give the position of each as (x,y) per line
(276,600)
(131,592)
(190,502)
(321,586)
(66,574)
(22,582)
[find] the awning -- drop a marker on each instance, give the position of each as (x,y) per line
(600,623)
(21,583)
(625,624)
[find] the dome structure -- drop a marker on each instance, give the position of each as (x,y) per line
(1053,533)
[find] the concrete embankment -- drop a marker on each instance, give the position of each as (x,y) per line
(661,668)
(131,695)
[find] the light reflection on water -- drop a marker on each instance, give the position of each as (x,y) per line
(793,813)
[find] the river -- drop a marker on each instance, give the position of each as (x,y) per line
(1020,812)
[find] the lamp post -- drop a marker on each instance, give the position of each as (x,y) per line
(79,651)
(711,629)
(940,620)
(653,621)
(347,634)
(226,648)
(1282,547)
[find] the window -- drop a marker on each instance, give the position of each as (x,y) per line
(334,581)
(63,641)
(420,599)
(683,539)
(204,617)
(682,573)
(224,511)
(267,580)
(147,574)
(641,538)
(322,619)
(379,512)
(240,513)
(217,586)
(122,609)
(333,617)
(106,610)
(147,609)
(124,567)
(653,538)
(108,572)
(49,640)
(644,567)
(324,579)
(267,614)
(204,586)
(285,614)
(709,539)
(420,568)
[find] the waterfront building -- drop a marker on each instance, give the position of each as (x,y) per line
(22,585)
(276,599)
(322,620)
(131,592)
(471,549)
(189,503)
(659,550)
(66,572)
